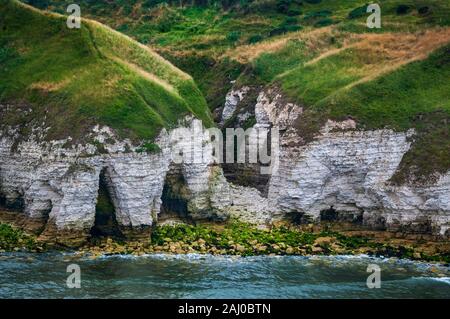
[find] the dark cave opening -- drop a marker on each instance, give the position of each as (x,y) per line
(17,204)
(174,203)
(329,215)
(105,224)
(246,174)
(332,215)
(299,218)
(2,200)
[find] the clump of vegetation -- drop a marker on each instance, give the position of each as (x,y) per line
(358,12)
(429,153)
(149,148)
(289,7)
(233,36)
(423,10)
(318,18)
(324,22)
(255,39)
(12,239)
(403,9)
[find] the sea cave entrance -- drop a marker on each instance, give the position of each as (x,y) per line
(105,224)
(333,215)
(174,205)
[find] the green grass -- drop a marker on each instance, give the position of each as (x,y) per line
(11,238)
(77,77)
(268,65)
(310,84)
(395,99)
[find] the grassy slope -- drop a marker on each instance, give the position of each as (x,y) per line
(75,78)
(195,38)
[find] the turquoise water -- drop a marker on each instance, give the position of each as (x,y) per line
(24,275)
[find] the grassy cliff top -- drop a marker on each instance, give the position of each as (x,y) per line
(215,40)
(76,78)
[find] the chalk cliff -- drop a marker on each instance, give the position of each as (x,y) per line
(64,135)
(343,175)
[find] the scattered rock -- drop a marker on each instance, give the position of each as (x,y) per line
(261,248)
(316,249)
(324,241)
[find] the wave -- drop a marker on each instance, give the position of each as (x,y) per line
(440,279)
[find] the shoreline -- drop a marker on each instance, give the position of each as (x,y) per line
(240,239)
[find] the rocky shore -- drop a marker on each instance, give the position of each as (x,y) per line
(236,238)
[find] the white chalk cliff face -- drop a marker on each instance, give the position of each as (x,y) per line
(231,101)
(344,172)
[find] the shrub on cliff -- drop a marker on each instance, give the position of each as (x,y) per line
(358,12)
(403,9)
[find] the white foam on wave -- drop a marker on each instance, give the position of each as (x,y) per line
(445,280)
(344,259)
(440,279)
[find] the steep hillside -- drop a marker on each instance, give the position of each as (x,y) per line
(67,80)
(194,35)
